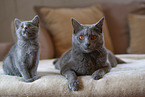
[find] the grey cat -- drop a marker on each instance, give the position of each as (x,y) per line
(88,55)
(23,58)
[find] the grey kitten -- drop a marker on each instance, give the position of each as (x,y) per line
(23,58)
(88,55)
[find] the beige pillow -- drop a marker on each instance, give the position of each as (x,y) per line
(58,23)
(137,33)
(46,45)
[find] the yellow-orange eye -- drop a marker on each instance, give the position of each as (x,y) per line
(93,37)
(82,37)
(28,25)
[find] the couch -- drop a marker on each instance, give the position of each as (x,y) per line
(124,35)
(125,80)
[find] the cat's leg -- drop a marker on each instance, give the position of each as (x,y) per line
(112,59)
(9,68)
(57,66)
(34,73)
(73,82)
(7,64)
(56,63)
(98,74)
(24,71)
(33,70)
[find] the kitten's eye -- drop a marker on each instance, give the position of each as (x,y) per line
(93,37)
(22,26)
(82,37)
(28,25)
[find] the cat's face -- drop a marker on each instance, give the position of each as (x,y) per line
(27,30)
(88,37)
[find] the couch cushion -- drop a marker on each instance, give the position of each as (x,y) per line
(137,33)
(58,23)
(46,45)
(116,16)
(125,80)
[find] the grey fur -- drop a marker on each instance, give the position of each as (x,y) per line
(86,57)
(23,58)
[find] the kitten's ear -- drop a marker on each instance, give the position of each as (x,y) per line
(35,20)
(76,25)
(99,24)
(17,23)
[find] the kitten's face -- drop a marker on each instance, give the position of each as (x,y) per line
(27,29)
(88,37)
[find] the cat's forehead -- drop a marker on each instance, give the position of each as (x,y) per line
(87,29)
(26,22)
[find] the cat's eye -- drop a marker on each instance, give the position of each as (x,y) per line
(93,37)
(81,37)
(28,25)
(22,26)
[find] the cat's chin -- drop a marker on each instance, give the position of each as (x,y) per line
(87,50)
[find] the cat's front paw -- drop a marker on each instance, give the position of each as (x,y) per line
(35,77)
(98,74)
(74,85)
(28,80)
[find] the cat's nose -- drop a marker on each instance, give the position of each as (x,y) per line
(88,44)
(26,27)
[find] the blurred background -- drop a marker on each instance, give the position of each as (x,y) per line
(23,9)
(124,26)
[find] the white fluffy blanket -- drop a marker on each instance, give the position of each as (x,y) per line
(125,80)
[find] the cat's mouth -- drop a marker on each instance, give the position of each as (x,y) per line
(88,49)
(29,34)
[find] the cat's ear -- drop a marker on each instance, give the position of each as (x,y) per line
(99,24)
(17,23)
(35,20)
(76,25)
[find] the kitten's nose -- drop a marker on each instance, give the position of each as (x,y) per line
(88,44)
(26,27)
